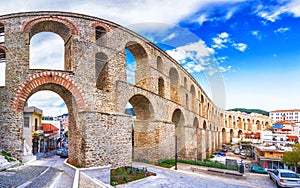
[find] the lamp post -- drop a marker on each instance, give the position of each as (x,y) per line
(176,156)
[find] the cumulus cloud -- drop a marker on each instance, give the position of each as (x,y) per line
(282,30)
(220,40)
(197,57)
(257,34)
(274,12)
(240,46)
(169,37)
(51,103)
(47,51)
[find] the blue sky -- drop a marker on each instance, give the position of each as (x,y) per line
(252,45)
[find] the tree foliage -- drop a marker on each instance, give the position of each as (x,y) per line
(249,111)
(292,158)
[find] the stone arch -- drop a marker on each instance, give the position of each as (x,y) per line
(70,25)
(239,122)
(141,60)
(196,122)
(58,25)
(2,32)
(100,24)
(204,125)
(193,92)
(185,82)
(48,77)
(230,121)
(142,107)
(187,100)
(159,64)
(249,124)
(223,135)
(161,87)
(231,134)
(258,125)
(178,120)
(101,70)
(174,80)
(240,133)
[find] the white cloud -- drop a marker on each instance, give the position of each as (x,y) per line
(197,57)
(240,46)
(47,51)
(282,30)
(169,37)
(274,12)
(220,40)
(51,103)
(257,34)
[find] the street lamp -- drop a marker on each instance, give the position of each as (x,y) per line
(176,156)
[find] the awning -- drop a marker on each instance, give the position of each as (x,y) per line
(292,136)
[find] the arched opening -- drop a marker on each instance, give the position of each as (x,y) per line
(193,92)
(46,51)
(2,67)
(196,123)
(178,120)
(141,110)
(230,121)
(161,87)
(206,135)
(185,83)
(231,135)
(240,123)
(174,80)
(223,135)
(159,64)
(258,125)
(58,50)
(187,100)
(67,103)
(136,64)
(45,124)
(101,70)
(99,32)
(130,67)
(2,34)
(249,125)
(240,133)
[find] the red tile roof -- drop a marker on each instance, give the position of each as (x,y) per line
(292,136)
(48,127)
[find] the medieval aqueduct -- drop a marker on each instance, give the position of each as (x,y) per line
(166,99)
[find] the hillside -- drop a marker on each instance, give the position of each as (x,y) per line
(249,111)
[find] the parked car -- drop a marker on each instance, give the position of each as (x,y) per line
(237,151)
(221,153)
(285,178)
(243,155)
(64,153)
(258,169)
(224,149)
(59,151)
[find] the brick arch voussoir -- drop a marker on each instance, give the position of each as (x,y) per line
(4,49)
(96,24)
(47,77)
(26,27)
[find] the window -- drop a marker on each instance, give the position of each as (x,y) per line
(26,121)
(2,67)
(100,31)
(35,124)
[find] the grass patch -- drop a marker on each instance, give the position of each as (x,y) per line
(7,156)
(168,163)
(127,174)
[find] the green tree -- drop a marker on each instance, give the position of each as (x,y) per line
(292,158)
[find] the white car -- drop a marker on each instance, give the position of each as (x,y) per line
(285,178)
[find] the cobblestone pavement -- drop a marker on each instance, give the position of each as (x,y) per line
(38,174)
(19,175)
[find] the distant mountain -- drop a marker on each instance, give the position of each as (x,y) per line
(249,111)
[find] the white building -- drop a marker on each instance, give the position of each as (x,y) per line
(272,139)
(292,115)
